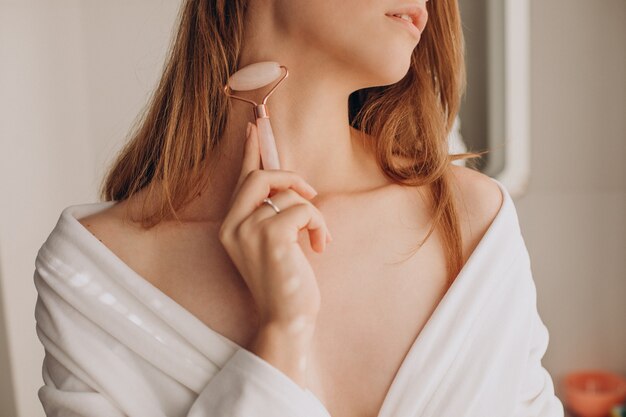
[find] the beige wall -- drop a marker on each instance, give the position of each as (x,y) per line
(45,162)
(75,73)
(573,217)
(73,76)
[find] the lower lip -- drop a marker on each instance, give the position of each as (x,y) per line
(409,25)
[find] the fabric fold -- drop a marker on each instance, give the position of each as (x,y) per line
(249,386)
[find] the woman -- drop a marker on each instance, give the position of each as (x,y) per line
(185,294)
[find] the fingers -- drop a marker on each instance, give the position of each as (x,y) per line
(251,155)
(298,216)
(284,200)
(254,184)
(257,186)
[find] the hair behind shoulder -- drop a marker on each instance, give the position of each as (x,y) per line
(187,114)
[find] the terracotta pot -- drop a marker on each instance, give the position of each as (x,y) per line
(593,392)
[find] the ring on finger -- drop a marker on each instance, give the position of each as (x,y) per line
(269,202)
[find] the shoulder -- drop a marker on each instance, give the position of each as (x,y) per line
(115,230)
(477,193)
(478,200)
(118,221)
(103,224)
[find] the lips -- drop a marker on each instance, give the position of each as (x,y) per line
(418,15)
(407,25)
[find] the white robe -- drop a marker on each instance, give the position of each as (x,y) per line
(115,345)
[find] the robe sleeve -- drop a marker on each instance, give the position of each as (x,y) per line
(250,386)
(65,394)
(536,397)
(245,386)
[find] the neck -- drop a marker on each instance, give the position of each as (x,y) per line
(309,117)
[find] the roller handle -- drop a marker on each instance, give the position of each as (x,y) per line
(267,144)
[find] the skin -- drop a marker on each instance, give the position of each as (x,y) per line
(327,60)
(366,300)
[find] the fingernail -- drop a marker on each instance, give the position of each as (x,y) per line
(330,237)
(313,190)
(248,129)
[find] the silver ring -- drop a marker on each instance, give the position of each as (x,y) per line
(268,201)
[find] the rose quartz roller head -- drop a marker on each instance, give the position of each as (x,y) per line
(251,77)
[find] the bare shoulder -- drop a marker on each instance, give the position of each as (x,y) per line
(100,223)
(103,222)
(477,192)
(115,231)
(478,198)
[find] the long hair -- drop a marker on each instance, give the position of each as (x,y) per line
(186,115)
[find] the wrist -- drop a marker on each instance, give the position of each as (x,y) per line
(285,346)
(295,334)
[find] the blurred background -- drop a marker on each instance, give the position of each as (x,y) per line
(74,75)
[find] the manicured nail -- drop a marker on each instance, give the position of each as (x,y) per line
(248,128)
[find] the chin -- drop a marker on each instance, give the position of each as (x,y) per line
(389,71)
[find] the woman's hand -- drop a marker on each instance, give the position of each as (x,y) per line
(264,244)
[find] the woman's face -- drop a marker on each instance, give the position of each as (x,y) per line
(357,36)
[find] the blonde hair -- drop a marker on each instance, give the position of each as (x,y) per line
(187,114)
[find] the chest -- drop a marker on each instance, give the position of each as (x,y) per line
(376,297)
(373,308)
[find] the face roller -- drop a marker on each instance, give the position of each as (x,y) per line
(251,77)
